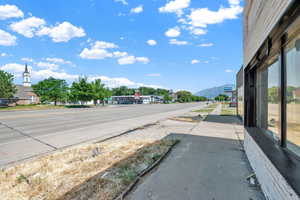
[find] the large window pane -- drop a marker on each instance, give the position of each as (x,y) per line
(268,99)
(292,57)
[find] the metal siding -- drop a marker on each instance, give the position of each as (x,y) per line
(260,16)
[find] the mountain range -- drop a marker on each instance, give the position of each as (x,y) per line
(213,92)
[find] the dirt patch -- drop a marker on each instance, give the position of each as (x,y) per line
(94,171)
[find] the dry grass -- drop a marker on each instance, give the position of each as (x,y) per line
(208,109)
(194,119)
(229,111)
(95,171)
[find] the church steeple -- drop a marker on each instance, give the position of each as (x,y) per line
(26,77)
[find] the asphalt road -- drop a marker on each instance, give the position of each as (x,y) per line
(24,134)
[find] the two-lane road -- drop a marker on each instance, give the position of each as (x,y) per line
(28,133)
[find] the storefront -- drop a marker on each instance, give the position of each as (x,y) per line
(271,95)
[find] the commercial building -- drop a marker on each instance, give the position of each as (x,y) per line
(268,89)
(133,99)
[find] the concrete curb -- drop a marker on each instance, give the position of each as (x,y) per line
(145,172)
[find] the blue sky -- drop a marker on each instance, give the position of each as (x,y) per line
(176,44)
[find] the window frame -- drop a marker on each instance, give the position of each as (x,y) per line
(274,45)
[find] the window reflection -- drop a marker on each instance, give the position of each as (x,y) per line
(240,100)
(268,99)
(292,55)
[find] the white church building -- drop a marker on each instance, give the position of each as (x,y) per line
(25,94)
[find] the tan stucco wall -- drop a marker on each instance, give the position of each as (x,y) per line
(260,16)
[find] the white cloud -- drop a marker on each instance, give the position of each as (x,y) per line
(154,75)
(206,45)
(175,6)
(120,81)
(132,59)
(119,54)
(151,42)
(10,11)
(124,2)
(195,61)
(203,16)
(228,71)
(143,60)
(46,65)
(28,27)
(96,54)
(27,59)
(198,31)
(234,2)
(99,51)
(17,70)
(59,61)
(112,82)
(105,45)
(6,39)
(173,32)
(46,73)
(177,42)
(138,9)
(13,68)
(3,54)
(62,32)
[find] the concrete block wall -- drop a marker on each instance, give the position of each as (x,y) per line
(273,184)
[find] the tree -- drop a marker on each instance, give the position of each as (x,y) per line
(222,97)
(7,88)
(273,94)
(184,96)
(81,91)
(161,92)
(107,93)
(97,90)
(167,98)
(147,91)
(199,98)
(52,89)
(123,90)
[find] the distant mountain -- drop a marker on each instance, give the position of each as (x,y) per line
(213,92)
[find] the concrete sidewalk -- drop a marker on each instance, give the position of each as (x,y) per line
(208,164)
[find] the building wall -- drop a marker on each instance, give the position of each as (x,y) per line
(273,184)
(260,16)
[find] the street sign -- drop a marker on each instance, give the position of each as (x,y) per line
(228,89)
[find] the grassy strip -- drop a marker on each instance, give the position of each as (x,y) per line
(94,171)
(195,119)
(207,109)
(204,110)
(42,107)
(228,111)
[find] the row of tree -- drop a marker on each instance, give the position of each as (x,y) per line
(186,96)
(58,90)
